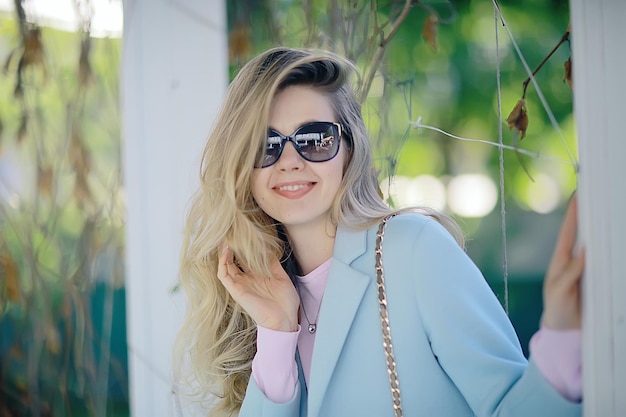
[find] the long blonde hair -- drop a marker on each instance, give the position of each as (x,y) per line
(218,337)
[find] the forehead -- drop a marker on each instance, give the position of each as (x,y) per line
(297,105)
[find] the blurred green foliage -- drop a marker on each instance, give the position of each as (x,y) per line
(61,225)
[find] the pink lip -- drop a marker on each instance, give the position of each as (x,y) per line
(293,190)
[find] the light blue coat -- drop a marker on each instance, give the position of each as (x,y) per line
(456,350)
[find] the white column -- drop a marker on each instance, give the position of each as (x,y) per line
(174,75)
(599,93)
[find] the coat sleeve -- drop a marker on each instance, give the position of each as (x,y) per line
(472,337)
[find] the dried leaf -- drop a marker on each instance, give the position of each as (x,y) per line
(518,119)
(567,77)
(240,45)
(33,49)
(429,32)
(32,55)
(44,180)
(11,276)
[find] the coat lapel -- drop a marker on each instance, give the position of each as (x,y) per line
(342,297)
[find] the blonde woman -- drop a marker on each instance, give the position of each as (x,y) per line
(278,265)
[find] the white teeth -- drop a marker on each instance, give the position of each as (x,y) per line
(292,187)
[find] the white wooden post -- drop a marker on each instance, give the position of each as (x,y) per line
(599,62)
(174,75)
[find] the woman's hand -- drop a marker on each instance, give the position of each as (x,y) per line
(272,302)
(561,289)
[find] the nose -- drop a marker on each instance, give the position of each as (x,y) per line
(290,159)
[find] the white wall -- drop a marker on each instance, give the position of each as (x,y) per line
(174,75)
(599,61)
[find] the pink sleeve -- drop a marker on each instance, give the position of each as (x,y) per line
(558,355)
(274,367)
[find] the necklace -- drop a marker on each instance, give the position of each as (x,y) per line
(312,327)
(322,273)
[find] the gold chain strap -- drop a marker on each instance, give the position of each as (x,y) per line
(384,321)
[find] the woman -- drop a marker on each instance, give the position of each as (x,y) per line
(278,265)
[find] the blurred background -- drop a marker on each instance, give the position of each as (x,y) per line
(63,301)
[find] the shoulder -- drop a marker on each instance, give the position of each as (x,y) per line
(415,226)
(419,244)
(404,233)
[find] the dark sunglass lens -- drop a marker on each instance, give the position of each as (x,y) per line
(318,142)
(272,151)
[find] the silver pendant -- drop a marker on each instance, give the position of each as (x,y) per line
(312,328)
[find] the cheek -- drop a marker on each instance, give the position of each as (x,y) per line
(344,156)
(344,161)
(254,184)
(257,187)
(335,176)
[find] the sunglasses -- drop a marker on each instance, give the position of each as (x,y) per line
(315,142)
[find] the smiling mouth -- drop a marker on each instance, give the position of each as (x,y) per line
(294,187)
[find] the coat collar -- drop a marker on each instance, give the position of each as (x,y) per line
(349,244)
(342,297)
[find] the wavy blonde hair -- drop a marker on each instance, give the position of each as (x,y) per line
(218,337)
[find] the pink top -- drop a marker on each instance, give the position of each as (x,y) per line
(557,353)
(272,346)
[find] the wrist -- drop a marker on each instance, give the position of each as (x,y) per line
(560,322)
(288,326)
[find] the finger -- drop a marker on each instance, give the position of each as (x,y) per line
(277,268)
(241,267)
(567,236)
(568,280)
(225,261)
(574,270)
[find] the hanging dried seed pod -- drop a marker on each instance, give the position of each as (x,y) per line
(567,77)
(429,32)
(518,119)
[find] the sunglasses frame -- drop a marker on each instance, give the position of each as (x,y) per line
(292,138)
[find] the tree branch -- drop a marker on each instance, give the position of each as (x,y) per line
(380,51)
(564,39)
